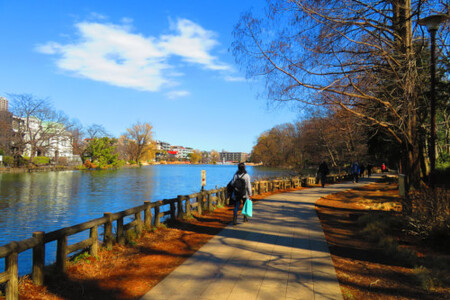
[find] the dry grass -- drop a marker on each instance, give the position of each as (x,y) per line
(373,257)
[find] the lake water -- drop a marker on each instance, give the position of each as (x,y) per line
(52,200)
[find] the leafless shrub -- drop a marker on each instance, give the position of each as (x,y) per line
(430,216)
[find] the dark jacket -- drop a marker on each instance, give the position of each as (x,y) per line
(323,169)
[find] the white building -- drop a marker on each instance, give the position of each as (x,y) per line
(182,152)
(162,146)
(54,140)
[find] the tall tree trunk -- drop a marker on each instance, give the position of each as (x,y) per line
(403,29)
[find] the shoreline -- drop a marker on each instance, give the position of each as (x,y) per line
(5,170)
(37,169)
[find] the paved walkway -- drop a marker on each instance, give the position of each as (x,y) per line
(280,254)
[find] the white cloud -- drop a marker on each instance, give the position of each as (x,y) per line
(113,54)
(235,79)
(98,16)
(177,94)
(49,48)
(193,44)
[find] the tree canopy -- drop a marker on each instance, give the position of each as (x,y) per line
(138,140)
(359,56)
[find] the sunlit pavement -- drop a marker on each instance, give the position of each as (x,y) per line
(280,254)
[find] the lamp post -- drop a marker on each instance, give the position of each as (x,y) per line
(432,23)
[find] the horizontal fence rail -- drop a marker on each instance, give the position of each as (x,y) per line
(145,216)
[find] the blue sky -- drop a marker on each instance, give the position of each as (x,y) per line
(117,62)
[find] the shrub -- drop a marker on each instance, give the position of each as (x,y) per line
(88,165)
(132,162)
(375,225)
(119,163)
(83,257)
(373,231)
(23,161)
(443,161)
(8,161)
(41,160)
(131,236)
(425,278)
(430,216)
(63,161)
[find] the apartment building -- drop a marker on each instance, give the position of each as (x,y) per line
(5,124)
(233,156)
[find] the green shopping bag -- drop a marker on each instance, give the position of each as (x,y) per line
(247,210)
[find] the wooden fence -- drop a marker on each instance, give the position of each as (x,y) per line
(145,216)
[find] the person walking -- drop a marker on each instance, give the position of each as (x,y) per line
(242,190)
(369,170)
(355,171)
(323,172)
(362,169)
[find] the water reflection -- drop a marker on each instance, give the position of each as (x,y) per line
(52,200)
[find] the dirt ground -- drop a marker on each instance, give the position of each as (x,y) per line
(128,272)
(364,271)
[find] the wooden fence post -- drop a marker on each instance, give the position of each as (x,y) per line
(226,197)
(188,206)
(108,238)
(61,254)
(200,204)
(156,208)
(37,273)
(147,215)
(219,197)
(12,269)
(93,235)
(120,232)
(180,206)
(138,218)
(208,199)
(172,210)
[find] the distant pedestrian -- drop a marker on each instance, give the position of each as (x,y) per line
(355,171)
(242,190)
(369,170)
(383,168)
(361,170)
(323,172)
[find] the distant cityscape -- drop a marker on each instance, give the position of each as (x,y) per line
(60,146)
(183,153)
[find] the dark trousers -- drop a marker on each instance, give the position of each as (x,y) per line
(237,205)
(355,177)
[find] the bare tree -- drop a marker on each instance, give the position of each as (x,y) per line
(37,127)
(137,140)
(214,157)
(81,137)
(96,131)
(205,157)
(357,55)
